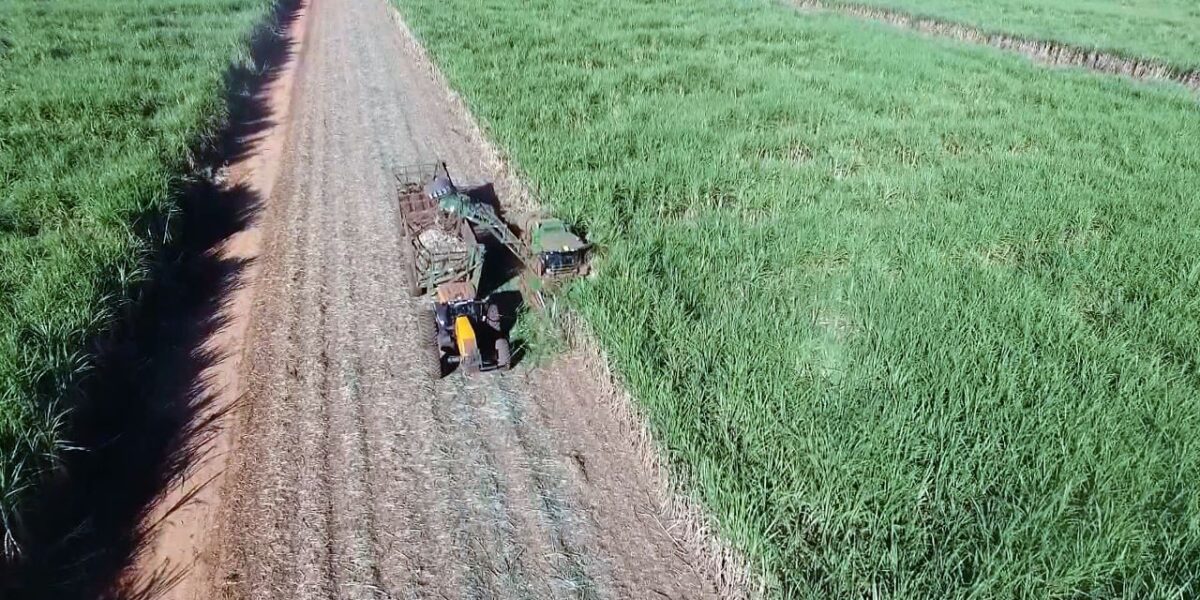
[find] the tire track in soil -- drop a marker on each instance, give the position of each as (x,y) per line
(485,536)
(546,491)
(350,497)
(356,476)
(309,528)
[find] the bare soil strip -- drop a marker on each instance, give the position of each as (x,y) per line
(353,475)
(1043,52)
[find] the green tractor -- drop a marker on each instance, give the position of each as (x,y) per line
(555,252)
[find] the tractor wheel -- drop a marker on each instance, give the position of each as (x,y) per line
(433,360)
(503,354)
(493,317)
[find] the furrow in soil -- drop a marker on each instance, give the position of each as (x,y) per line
(356,475)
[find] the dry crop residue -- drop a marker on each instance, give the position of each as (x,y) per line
(356,476)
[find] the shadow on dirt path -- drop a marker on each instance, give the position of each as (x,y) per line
(499,280)
(145,415)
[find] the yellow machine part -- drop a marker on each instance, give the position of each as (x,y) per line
(464,336)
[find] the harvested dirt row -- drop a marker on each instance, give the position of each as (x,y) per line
(356,476)
(1043,52)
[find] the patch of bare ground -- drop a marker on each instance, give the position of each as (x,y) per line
(1040,51)
(182,521)
(353,475)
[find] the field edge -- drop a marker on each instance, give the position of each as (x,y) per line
(1045,52)
(153,355)
(697,530)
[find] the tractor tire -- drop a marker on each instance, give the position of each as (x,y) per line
(433,359)
(503,355)
(493,317)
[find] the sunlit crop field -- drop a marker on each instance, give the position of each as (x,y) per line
(101,104)
(1162,30)
(913,319)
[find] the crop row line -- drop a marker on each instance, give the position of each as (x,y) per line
(1055,54)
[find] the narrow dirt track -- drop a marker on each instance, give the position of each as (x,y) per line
(353,475)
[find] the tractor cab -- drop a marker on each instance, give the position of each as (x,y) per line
(463,326)
(557,253)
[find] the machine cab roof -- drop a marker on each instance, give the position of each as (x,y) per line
(552,235)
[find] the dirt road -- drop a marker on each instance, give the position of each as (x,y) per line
(353,475)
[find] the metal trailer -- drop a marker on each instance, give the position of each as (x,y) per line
(442,247)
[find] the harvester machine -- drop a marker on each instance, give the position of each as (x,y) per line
(546,246)
(555,253)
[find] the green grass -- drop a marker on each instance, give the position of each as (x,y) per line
(1164,30)
(913,319)
(100,104)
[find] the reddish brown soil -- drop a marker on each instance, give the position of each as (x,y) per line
(187,513)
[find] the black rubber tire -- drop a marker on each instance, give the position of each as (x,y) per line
(503,354)
(493,317)
(429,330)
